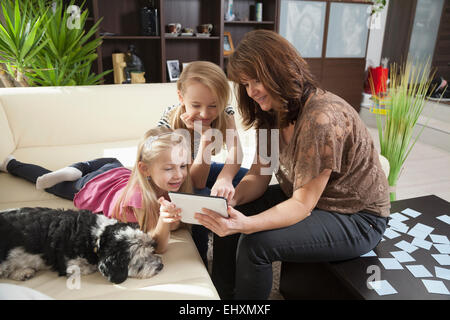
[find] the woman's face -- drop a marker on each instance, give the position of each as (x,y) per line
(256,91)
(169,170)
(200,102)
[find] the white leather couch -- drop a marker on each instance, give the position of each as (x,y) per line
(57,126)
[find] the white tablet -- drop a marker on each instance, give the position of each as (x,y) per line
(191,203)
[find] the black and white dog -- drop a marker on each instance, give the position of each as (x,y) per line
(33,239)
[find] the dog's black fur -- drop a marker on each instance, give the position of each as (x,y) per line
(58,236)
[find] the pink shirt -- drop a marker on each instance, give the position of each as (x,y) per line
(101,193)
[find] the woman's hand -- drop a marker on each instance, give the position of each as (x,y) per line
(223,188)
(189,121)
(168,212)
(235,223)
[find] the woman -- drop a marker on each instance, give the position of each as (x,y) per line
(332,200)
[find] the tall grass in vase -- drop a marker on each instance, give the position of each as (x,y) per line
(406,93)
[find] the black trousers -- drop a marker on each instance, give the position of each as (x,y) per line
(242,264)
(66,189)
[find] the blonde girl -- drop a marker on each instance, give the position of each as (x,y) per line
(138,195)
(203,93)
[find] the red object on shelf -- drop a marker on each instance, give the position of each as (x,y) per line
(378,76)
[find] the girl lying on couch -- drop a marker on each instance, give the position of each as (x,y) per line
(137,195)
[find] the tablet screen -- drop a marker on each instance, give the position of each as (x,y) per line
(192,203)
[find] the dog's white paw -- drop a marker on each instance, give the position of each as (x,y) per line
(22,274)
(81,266)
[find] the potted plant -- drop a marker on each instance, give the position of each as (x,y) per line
(401,106)
(44,43)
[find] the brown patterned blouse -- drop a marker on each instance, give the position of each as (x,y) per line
(329,134)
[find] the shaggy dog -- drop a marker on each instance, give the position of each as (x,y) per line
(33,239)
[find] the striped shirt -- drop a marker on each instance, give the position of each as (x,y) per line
(165,119)
(165,122)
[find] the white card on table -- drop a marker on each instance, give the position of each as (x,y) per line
(398,216)
(443,259)
(412,213)
(420,231)
(369,254)
(442,248)
(390,264)
(391,234)
(398,226)
(419,271)
(442,273)
(382,287)
(435,286)
(402,256)
(405,246)
(436,238)
(424,244)
(445,218)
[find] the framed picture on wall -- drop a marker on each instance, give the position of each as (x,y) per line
(228,47)
(173,68)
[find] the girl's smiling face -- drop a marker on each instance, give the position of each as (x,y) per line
(170,169)
(200,102)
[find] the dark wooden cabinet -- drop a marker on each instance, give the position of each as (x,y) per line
(121,27)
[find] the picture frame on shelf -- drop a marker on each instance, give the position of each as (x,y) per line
(173,68)
(228,47)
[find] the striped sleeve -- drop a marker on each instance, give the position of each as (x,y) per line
(165,119)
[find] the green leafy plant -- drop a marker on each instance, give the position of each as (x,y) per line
(21,38)
(377,6)
(406,93)
(63,53)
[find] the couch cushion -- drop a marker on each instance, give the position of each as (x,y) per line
(7,144)
(183,277)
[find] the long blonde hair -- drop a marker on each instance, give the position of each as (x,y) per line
(154,142)
(211,76)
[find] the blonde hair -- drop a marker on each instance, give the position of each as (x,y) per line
(213,77)
(154,142)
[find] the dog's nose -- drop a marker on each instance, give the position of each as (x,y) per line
(159,268)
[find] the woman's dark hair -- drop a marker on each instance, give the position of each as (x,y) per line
(268,57)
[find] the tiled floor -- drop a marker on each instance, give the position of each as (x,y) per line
(426,171)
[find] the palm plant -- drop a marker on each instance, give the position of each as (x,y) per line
(406,91)
(21,38)
(70,51)
(62,53)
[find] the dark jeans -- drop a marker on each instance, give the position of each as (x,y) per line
(66,189)
(242,264)
(199,232)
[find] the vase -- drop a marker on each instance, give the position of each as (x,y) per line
(392,193)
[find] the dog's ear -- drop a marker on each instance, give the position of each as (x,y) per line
(113,254)
(115,266)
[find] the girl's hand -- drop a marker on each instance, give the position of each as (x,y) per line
(168,212)
(235,223)
(223,188)
(189,121)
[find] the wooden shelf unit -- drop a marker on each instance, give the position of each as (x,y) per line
(121,23)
